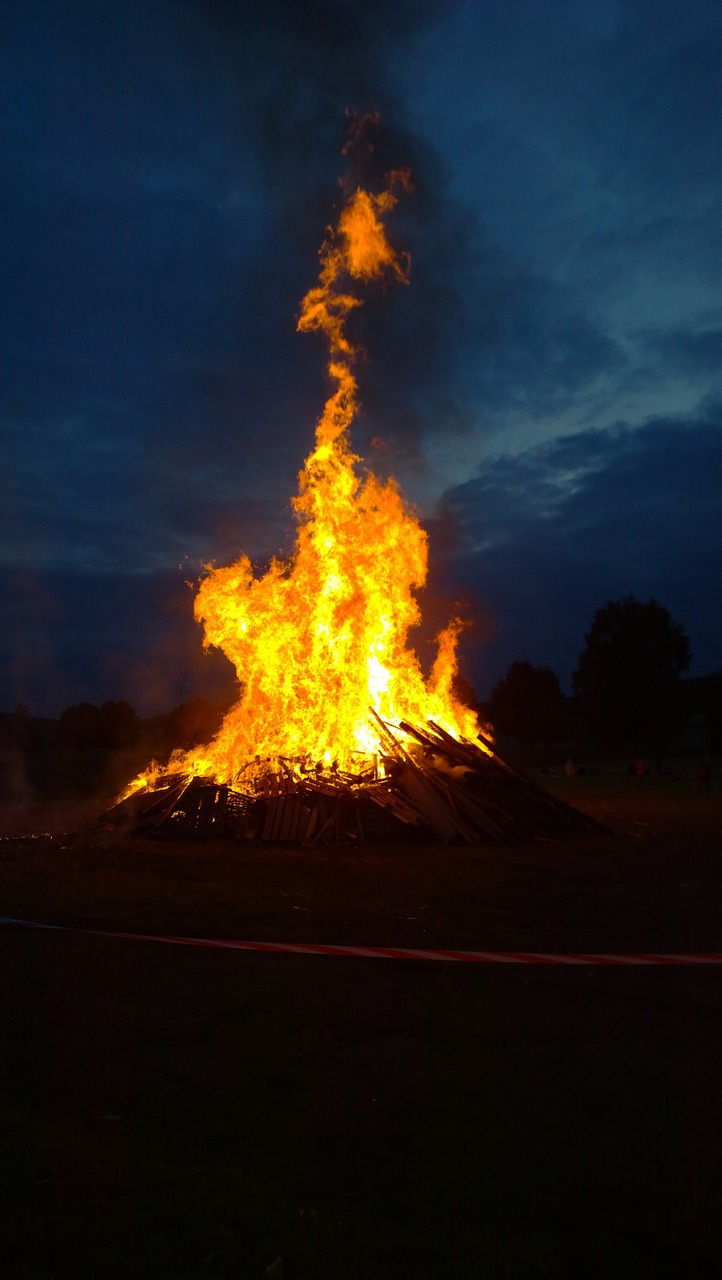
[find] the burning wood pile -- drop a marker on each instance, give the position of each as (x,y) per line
(321,638)
(431,784)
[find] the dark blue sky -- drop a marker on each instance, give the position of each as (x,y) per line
(548,390)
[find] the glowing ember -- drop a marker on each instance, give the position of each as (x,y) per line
(318,640)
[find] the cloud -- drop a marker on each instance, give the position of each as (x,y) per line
(546,537)
(678,106)
(694,351)
(170,168)
(170,172)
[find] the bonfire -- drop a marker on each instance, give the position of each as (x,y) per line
(337,732)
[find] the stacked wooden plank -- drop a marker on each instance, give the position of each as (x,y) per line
(188,808)
(429,782)
(472,793)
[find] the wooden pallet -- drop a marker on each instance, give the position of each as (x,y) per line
(458,790)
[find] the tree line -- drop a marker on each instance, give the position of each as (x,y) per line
(627,688)
(114,726)
(93,750)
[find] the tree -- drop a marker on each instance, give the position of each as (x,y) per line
(79,726)
(21,729)
(112,726)
(119,725)
(528,704)
(628,684)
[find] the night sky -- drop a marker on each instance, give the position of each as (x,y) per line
(547,390)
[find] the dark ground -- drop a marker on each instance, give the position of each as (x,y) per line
(178,1112)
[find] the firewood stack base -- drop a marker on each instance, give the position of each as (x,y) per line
(434,788)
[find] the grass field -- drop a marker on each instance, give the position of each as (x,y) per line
(182,1112)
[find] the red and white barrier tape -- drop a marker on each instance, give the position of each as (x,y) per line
(388,953)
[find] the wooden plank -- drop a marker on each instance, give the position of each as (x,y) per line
(423,796)
(397,750)
(573,816)
(480,820)
(464,828)
(311,825)
(145,808)
(289,818)
(394,803)
(304,816)
(273,818)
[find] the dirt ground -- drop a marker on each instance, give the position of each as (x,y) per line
(183,1112)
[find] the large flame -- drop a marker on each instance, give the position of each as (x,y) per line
(319,639)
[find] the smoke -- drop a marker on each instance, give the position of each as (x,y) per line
(315,96)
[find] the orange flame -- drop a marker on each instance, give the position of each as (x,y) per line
(319,639)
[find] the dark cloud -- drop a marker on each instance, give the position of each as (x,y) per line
(545,538)
(688,350)
(571,129)
(171,170)
(545,351)
(679,108)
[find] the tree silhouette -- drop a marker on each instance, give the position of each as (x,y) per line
(528,704)
(119,725)
(628,683)
(79,726)
(114,725)
(20,728)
